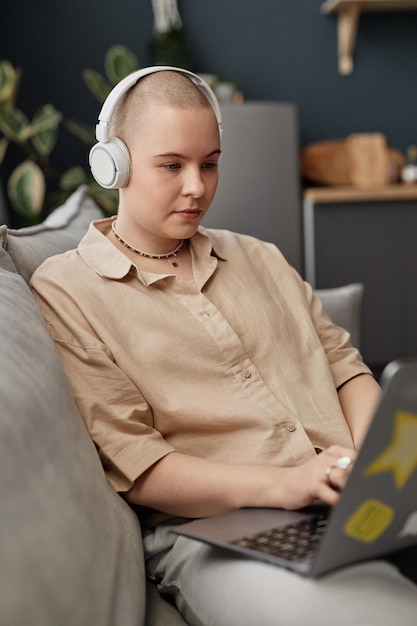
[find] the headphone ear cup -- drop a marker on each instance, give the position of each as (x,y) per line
(110,163)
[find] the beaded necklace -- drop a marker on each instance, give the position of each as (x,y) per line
(167,256)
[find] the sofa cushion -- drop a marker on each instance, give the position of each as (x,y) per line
(62,230)
(71,550)
(6,262)
(344,306)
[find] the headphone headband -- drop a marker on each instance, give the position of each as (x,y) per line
(102,128)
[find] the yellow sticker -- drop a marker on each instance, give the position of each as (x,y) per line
(400,457)
(369,521)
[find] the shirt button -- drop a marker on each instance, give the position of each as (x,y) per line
(246,374)
(291,427)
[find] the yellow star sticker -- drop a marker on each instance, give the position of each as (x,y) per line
(400,456)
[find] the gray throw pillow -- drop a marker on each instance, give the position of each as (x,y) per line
(62,230)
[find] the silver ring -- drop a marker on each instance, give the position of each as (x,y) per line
(328,474)
(344,462)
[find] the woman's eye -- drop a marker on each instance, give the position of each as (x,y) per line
(210,165)
(172,166)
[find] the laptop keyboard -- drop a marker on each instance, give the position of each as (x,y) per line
(295,541)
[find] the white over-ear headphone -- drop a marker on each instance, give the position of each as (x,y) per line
(109,158)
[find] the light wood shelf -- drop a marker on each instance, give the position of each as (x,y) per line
(323,195)
(349,12)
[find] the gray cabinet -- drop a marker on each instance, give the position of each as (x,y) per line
(369,237)
(259,189)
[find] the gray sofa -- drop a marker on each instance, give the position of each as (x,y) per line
(70,547)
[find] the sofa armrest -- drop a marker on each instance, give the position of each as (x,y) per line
(344,305)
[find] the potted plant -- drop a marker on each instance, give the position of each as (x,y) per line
(35,186)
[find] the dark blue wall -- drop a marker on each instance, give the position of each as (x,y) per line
(282,50)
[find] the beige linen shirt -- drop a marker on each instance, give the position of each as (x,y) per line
(238,365)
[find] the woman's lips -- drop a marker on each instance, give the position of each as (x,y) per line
(189,214)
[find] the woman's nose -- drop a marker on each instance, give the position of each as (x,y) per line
(193,183)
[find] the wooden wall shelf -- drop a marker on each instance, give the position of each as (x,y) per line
(328,195)
(349,12)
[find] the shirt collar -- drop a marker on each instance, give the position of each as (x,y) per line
(106,260)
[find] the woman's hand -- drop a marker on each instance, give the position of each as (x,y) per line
(322,477)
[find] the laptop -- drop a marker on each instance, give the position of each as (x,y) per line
(376,513)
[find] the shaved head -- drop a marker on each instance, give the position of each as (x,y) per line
(168,88)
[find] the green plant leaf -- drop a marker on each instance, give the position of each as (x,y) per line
(45,118)
(26,189)
(83,131)
(14,124)
(8,79)
(119,62)
(97,84)
(73,178)
(44,129)
(3,148)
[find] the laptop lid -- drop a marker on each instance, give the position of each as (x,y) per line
(377,513)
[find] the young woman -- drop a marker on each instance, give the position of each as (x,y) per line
(207,373)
